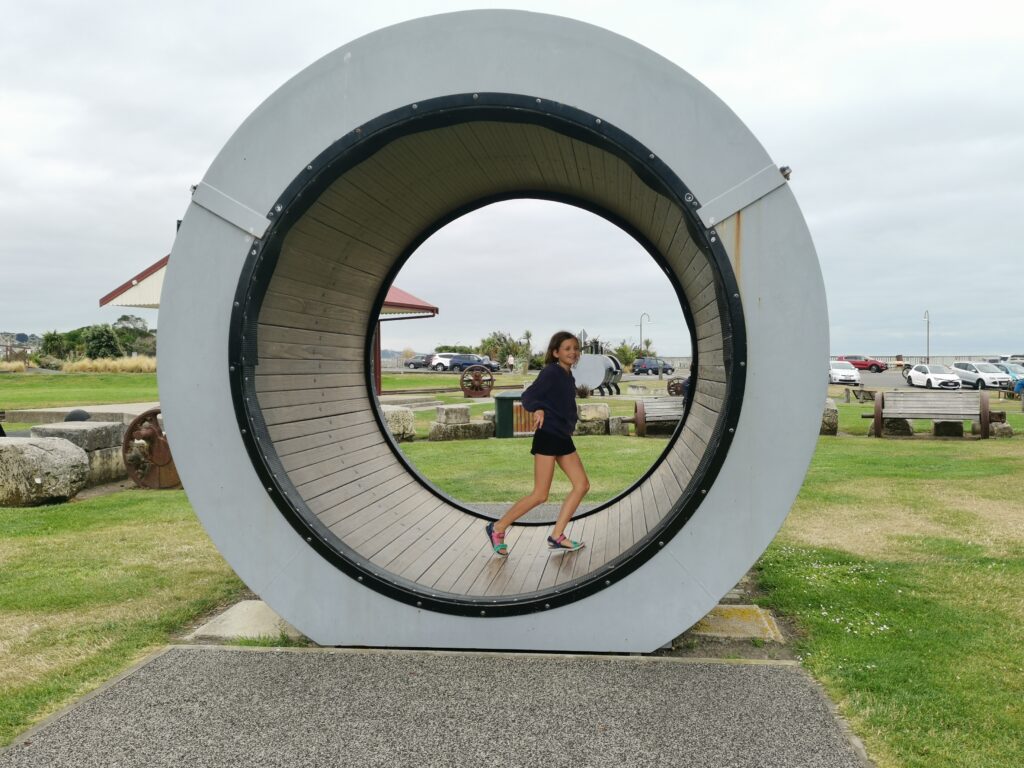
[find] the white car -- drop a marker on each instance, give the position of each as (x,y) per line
(980,375)
(933,377)
(842,372)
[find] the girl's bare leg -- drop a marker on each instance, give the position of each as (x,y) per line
(543,471)
(573,468)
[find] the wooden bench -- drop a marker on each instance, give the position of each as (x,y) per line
(861,395)
(937,406)
(657,410)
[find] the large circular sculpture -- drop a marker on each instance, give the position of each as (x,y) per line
(281,266)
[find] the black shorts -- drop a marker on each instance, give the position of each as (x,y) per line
(547,444)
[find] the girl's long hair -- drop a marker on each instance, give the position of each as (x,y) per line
(555,343)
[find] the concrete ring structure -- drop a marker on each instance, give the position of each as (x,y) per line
(283,260)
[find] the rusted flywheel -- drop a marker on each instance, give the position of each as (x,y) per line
(147,454)
(476,381)
(677,386)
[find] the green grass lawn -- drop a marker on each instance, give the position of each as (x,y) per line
(498,471)
(90,587)
(16,426)
(393,381)
(902,563)
(23,391)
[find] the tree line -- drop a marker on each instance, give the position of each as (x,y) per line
(128,335)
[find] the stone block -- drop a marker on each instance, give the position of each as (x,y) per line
(489,416)
(894,428)
(829,418)
(592,411)
(591,428)
(995,429)
(40,470)
(401,422)
(106,465)
(453,414)
(87,435)
(948,428)
(616,426)
(473,430)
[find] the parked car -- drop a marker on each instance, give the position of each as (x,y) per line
(649,365)
(974,373)
(440,361)
(933,377)
(864,363)
(1014,370)
(843,372)
(417,361)
(462,362)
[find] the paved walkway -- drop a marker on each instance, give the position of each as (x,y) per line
(213,707)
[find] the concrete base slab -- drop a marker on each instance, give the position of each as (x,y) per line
(739,622)
(247,619)
(218,707)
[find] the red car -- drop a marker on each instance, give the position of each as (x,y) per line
(865,363)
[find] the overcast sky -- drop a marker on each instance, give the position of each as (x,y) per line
(903,123)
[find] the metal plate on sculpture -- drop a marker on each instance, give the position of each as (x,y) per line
(592,371)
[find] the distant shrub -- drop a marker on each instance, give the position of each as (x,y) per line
(13,367)
(49,363)
(54,345)
(140,364)
(583,391)
(101,341)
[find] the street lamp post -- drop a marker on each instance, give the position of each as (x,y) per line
(640,346)
(928,338)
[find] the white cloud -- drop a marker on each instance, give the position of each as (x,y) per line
(902,121)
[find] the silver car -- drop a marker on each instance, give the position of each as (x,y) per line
(979,375)
(842,372)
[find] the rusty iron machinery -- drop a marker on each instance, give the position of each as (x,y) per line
(476,381)
(147,454)
(677,386)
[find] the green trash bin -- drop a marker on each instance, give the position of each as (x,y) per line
(503,419)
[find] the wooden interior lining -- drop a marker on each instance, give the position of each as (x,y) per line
(312,340)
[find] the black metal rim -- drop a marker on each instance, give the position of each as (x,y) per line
(360,144)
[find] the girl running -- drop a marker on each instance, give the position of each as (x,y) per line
(552,401)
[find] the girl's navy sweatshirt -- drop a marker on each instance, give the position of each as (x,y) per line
(555,392)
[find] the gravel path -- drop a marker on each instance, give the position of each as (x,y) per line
(215,707)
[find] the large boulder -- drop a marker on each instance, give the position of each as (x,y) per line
(101,441)
(948,428)
(40,470)
(401,422)
(829,418)
(995,429)
(894,428)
